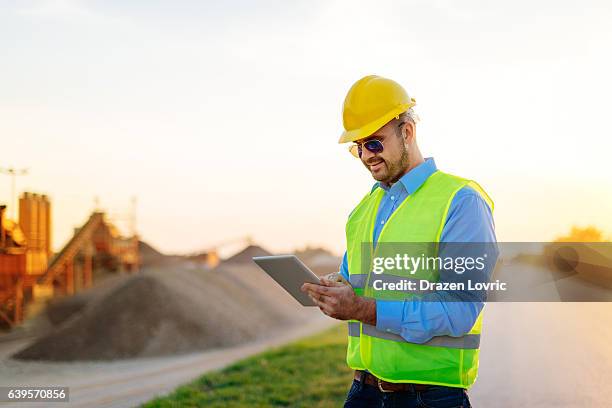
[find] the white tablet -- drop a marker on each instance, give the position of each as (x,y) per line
(289,272)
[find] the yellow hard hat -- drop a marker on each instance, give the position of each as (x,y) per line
(370,104)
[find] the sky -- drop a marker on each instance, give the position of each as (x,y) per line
(222,118)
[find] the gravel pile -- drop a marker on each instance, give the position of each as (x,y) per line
(167,311)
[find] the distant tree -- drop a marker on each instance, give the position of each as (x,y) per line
(587,234)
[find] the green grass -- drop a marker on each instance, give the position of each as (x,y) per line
(308,373)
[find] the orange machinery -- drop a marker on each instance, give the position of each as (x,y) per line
(29,273)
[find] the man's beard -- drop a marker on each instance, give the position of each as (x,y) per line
(398,168)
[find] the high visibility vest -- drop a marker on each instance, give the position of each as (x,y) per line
(420,218)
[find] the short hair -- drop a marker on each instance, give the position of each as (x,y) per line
(408,116)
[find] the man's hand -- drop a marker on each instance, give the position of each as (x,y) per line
(339,301)
(335,277)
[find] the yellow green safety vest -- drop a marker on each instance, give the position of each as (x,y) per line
(420,218)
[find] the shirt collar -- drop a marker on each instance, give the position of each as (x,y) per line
(414,179)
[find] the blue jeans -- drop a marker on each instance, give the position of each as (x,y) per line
(368,396)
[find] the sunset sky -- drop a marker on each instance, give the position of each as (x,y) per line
(222,118)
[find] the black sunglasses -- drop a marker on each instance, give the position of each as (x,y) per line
(373,145)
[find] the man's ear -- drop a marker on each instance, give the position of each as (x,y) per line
(409,132)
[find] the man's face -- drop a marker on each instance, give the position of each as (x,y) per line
(390,164)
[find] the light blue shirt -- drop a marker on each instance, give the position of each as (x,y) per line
(469,219)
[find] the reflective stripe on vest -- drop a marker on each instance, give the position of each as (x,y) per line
(358,280)
(469,341)
(354,329)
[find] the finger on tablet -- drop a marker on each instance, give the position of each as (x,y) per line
(314,288)
(309,286)
(329,283)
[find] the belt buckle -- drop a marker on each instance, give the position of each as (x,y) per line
(380,387)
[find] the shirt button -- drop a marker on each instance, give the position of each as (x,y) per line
(392,198)
(382,222)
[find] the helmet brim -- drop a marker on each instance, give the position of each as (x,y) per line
(367,130)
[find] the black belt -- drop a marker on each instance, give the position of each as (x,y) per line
(385,386)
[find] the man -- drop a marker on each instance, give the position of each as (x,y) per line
(407,349)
